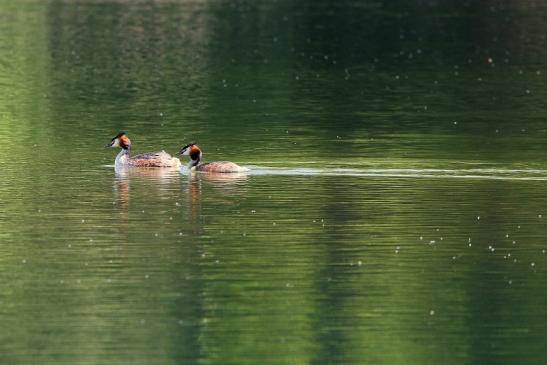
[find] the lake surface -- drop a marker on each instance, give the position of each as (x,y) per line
(396,206)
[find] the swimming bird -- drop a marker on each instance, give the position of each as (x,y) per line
(148,159)
(195,154)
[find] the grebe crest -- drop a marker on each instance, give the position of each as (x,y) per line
(148,159)
(195,154)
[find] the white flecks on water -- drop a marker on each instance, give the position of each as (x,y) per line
(431,312)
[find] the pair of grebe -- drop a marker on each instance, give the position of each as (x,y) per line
(163,159)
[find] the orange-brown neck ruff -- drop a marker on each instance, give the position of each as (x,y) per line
(125,143)
(195,153)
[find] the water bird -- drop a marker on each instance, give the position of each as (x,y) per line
(195,154)
(148,159)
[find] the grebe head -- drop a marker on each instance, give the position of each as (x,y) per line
(121,140)
(191,150)
(194,152)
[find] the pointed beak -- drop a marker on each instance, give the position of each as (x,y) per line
(183,149)
(108,145)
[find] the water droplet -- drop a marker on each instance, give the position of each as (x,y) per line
(432,312)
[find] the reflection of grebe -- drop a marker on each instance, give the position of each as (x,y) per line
(159,175)
(195,154)
(149,159)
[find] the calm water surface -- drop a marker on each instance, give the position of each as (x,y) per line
(395,212)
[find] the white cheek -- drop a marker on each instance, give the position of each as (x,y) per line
(116,143)
(187,152)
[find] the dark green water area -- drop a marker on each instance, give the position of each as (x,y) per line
(395,211)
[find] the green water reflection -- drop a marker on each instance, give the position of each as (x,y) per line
(431,250)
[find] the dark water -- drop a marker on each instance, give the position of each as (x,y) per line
(395,212)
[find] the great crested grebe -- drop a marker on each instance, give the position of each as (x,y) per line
(148,159)
(195,154)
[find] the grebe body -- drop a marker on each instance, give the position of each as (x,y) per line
(195,154)
(148,159)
